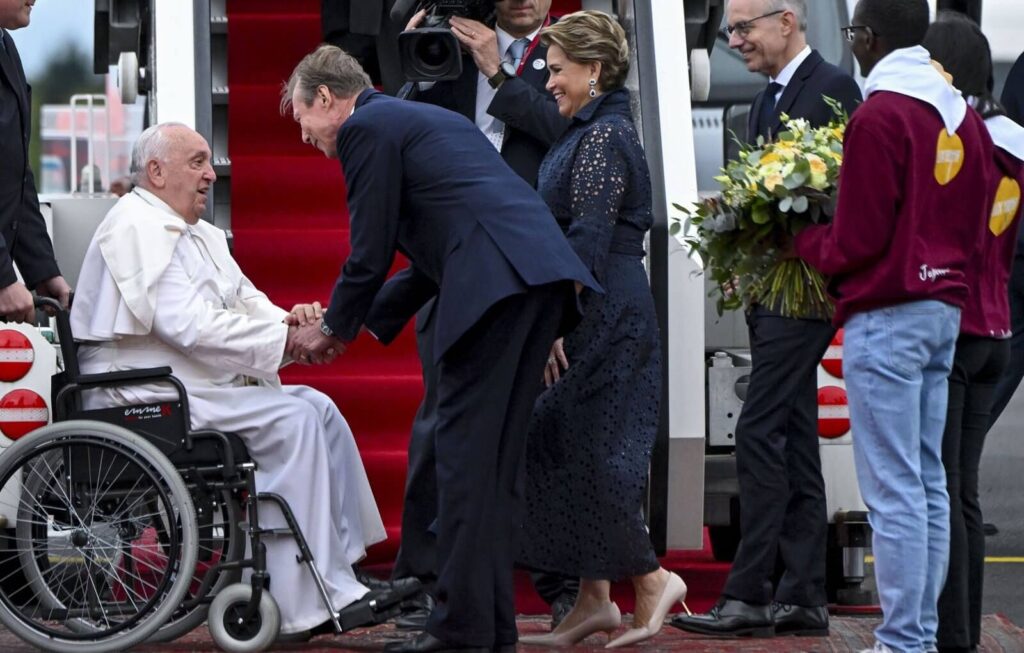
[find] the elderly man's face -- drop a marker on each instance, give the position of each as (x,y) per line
(760,35)
(521,17)
(319,120)
(186,174)
(15,14)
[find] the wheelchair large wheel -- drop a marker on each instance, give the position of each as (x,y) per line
(232,632)
(105,534)
(220,540)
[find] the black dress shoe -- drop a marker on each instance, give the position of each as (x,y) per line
(415,612)
(427,643)
(504,648)
(404,587)
(800,621)
(729,618)
(560,608)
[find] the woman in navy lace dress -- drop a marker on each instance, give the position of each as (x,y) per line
(594,427)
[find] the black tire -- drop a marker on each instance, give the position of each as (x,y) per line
(86,491)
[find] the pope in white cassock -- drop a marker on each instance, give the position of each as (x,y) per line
(159,287)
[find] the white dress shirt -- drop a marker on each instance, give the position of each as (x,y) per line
(491,127)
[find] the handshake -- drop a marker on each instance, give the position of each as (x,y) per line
(306,343)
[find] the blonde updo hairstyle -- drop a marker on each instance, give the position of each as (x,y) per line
(592,36)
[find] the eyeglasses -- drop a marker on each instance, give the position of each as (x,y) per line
(850,31)
(744,27)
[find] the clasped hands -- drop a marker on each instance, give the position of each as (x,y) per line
(306,344)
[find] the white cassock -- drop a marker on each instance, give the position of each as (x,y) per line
(156,291)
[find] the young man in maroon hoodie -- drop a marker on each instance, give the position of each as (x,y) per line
(913,203)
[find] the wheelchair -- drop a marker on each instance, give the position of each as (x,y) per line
(132,528)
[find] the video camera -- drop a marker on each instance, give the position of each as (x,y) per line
(431,53)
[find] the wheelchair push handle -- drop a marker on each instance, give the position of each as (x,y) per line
(48,302)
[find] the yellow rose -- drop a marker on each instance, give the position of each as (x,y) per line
(772,181)
(818,166)
(769,158)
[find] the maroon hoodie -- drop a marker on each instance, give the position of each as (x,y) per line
(909,217)
(987,311)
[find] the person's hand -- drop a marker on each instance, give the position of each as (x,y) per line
(480,41)
(16,303)
(416,20)
(303,314)
(306,344)
(557,362)
(57,288)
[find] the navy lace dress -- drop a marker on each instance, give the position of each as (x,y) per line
(592,432)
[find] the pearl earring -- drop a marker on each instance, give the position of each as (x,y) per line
(593,88)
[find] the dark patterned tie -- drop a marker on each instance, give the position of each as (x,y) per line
(767,118)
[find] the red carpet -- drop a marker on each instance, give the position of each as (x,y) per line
(290,229)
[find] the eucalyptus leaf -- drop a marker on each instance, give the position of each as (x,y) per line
(801,204)
(786,204)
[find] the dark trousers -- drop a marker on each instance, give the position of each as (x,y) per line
(782,493)
(1015,369)
(978,366)
(417,553)
(487,385)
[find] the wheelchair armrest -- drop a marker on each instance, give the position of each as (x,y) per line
(119,377)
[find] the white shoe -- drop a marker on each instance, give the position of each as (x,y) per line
(674,592)
(879,647)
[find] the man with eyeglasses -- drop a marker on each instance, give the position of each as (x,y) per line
(781,489)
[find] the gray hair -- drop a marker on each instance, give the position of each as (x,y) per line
(798,7)
(328,66)
(151,145)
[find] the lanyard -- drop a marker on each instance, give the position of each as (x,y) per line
(533,46)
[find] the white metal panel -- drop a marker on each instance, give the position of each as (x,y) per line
(685,288)
(175,76)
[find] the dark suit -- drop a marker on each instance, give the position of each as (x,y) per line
(425,182)
(23,237)
(364,30)
(1013,92)
(532,125)
(782,493)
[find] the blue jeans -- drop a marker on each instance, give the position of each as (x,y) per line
(896,364)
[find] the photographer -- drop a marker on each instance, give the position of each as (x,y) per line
(502,91)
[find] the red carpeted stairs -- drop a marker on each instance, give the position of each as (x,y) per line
(290,226)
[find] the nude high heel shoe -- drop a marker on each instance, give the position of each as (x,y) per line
(675,591)
(606,620)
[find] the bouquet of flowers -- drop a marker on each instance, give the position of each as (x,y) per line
(772,191)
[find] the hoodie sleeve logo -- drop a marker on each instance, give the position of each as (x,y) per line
(1005,209)
(949,157)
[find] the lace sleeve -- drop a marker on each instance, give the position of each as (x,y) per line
(599,177)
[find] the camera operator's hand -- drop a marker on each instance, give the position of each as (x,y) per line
(416,20)
(480,41)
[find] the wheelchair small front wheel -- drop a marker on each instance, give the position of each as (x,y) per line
(231,631)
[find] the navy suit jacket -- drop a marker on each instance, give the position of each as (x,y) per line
(425,182)
(23,236)
(528,110)
(814,79)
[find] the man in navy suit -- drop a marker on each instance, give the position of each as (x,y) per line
(23,237)
(502,90)
(425,182)
(782,492)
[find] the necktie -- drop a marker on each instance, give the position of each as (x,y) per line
(3,46)
(516,50)
(766,119)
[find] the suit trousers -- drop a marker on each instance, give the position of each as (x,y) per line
(977,367)
(417,553)
(488,382)
(782,492)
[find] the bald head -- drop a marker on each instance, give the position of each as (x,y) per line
(173,161)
